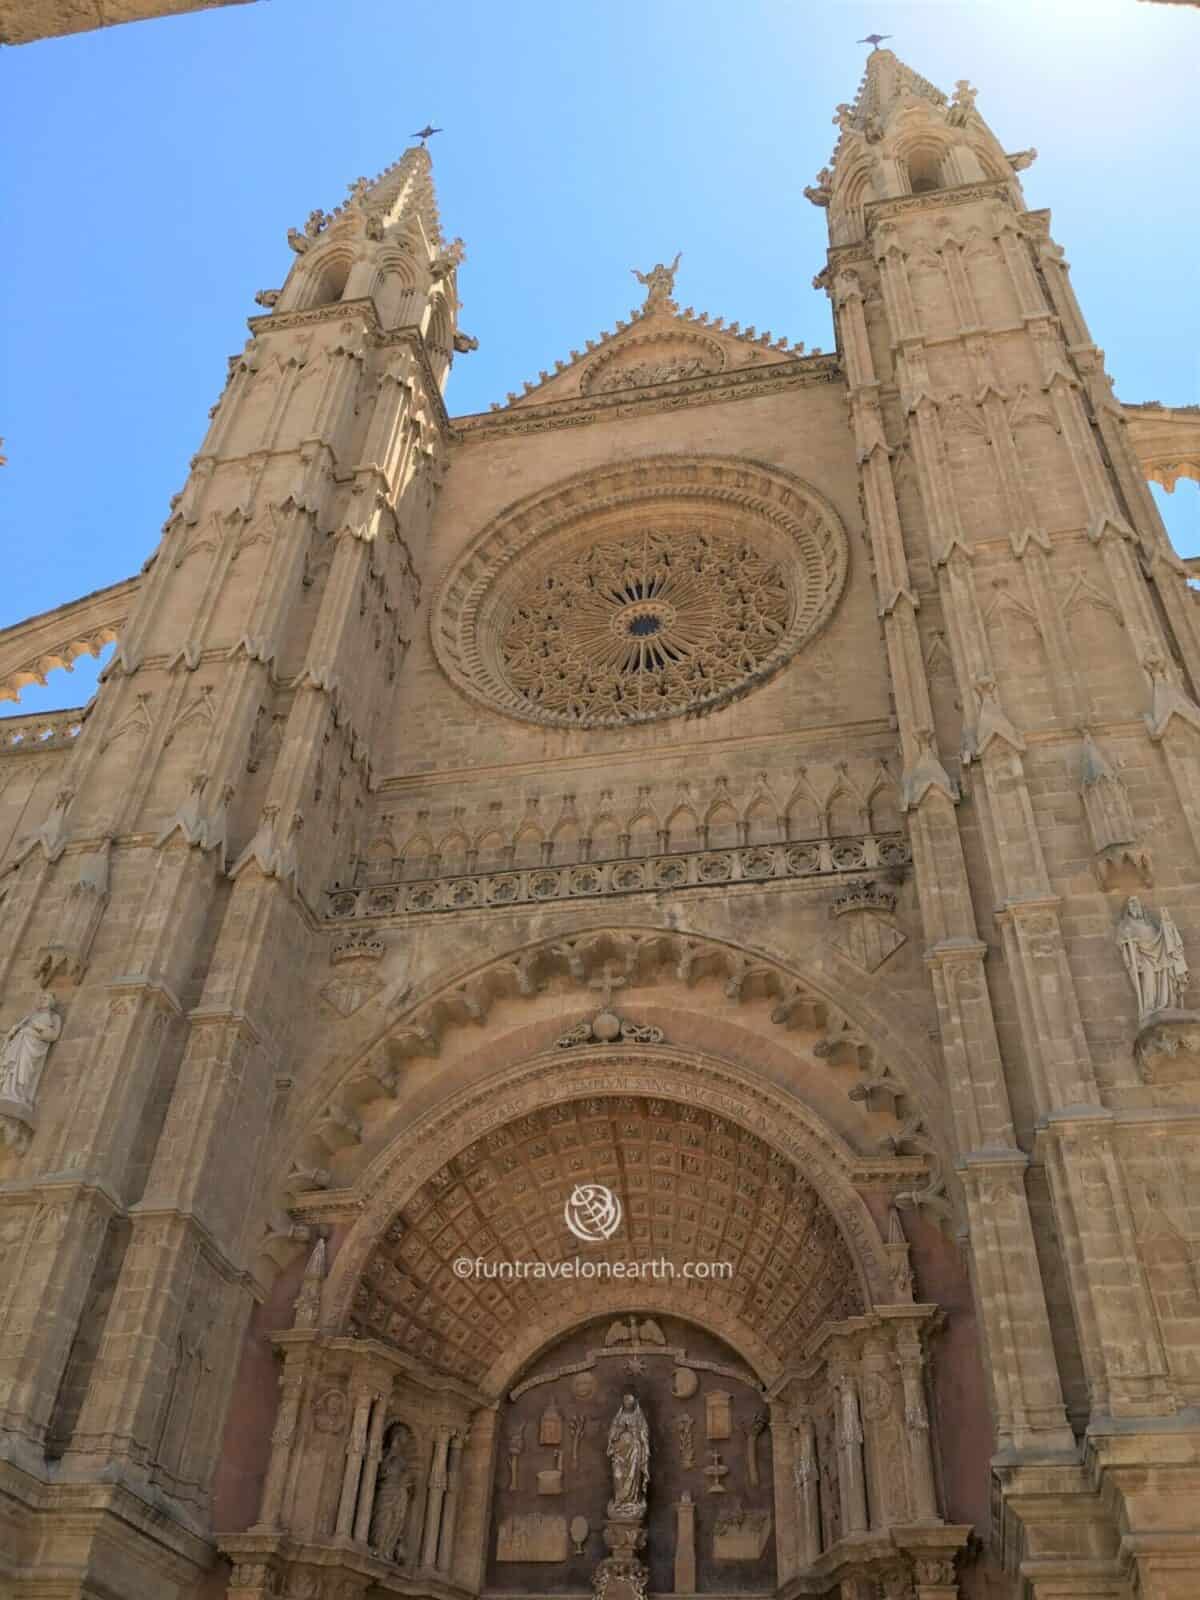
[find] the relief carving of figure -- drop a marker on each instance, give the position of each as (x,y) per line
(1154,959)
(629,1453)
(393,1496)
(26,1046)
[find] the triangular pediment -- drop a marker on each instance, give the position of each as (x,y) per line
(659,343)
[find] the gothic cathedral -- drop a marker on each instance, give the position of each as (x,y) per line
(598,1005)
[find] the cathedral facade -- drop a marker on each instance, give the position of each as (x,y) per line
(599,1003)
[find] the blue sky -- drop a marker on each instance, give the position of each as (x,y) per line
(154,170)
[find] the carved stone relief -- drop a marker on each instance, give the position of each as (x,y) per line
(631,1470)
(646,607)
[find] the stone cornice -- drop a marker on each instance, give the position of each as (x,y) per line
(740,384)
(937,199)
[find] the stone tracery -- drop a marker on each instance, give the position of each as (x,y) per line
(662,586)
(643,626)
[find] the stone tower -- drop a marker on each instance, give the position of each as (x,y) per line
(749,795)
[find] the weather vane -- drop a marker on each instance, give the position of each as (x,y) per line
(874,39)
(426,132)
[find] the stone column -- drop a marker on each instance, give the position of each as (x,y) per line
(476,1475)
(435,1497)
(916,1427)
(851,1478)
(366,1496)
(685,1545)
(291,1390)
(355,1449)
(808,1501)
(450,1509)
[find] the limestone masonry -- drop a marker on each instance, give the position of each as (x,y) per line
(749,792)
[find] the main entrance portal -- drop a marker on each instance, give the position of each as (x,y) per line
(719,1384)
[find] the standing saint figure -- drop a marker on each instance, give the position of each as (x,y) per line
(629,1452)
(25,1048)
(659,281)
(393,1496)
(1153,958)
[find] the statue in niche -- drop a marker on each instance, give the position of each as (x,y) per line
(1154,959)
(26,1046)
(393,1497)
(629,1453)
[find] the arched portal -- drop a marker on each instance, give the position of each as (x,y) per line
(723,1269)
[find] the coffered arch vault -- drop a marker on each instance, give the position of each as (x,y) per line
(708,1164)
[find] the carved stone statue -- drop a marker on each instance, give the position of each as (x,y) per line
(393,1496)
(659,282)
(26,1046)
(1154,959)
(629,1453)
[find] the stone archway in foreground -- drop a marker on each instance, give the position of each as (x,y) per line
(398,1372)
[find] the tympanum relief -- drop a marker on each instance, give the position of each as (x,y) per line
(617,1420)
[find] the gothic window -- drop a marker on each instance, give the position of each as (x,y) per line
(686,583)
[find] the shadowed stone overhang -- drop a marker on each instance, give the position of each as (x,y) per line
(23,21)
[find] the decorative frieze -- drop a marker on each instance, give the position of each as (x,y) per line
(814,858)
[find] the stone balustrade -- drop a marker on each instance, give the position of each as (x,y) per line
(808,858)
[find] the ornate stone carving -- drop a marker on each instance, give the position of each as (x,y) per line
(685,1432)
(740,1535)
(22,1060)
(533,1536)
(634,607)
(718,1414)
(394,1488)
(308,1299)
(645,626)
(686,870)
(330,1411)
(659,282)
(1154,959)
(715,1472)
(1110,820)
(753,1431)
(628,1452)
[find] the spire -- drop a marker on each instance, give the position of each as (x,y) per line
(901,136)
(384,243)
(885,80)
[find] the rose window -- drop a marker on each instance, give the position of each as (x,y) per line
(645,625)
(641,591)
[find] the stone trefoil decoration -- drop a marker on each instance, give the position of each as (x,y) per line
(606,1027)
(22,1059)
(640,627)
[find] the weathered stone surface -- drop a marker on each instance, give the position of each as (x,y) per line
(723,777)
